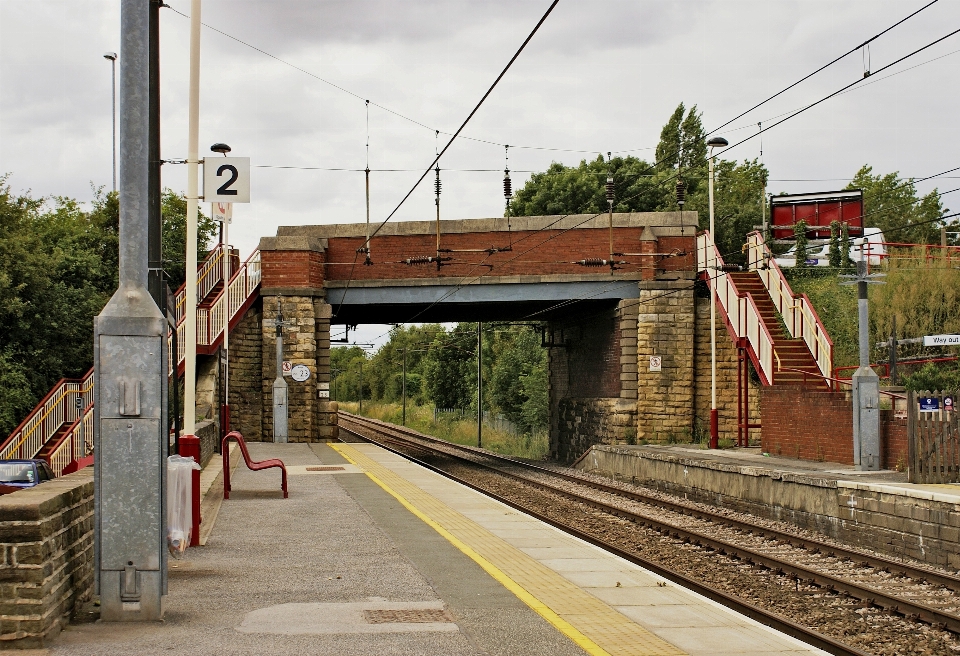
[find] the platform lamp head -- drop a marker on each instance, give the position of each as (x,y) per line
(221,148)
(717,142)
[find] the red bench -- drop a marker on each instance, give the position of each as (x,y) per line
(252,465)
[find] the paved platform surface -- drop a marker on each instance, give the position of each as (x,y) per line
(384,557)
(885,480)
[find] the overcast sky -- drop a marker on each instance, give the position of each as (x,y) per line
(600,75)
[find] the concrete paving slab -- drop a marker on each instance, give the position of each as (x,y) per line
(674,616)
(334,618)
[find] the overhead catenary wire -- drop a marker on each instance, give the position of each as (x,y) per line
(471,114)
(839,91)
(824,67)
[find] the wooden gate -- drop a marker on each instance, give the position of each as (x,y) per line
(933,435)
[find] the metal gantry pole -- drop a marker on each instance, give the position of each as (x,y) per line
(130,352)
(866,383)
(280,391)
(479,385)
(193,197)
(404,385)
(714,414)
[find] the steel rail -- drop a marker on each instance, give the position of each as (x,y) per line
(870,596)
(863,559)
(768,618)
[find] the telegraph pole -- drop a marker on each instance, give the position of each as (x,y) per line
(130,353)
(404,385)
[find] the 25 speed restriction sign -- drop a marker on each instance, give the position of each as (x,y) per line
(300,373)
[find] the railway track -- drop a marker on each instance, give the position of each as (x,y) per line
(914,595)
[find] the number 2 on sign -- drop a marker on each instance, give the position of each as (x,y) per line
(224,189)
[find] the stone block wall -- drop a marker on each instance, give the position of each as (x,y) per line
(726,378)
(665,329)
(46,558)
(306,342)
(585,422)
(246,369)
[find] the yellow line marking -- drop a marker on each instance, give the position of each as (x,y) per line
(624,636)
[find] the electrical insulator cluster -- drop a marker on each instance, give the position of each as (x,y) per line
(681,192)
(436,183)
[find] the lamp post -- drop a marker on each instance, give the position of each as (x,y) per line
(112,56)
(715,142)
(223,149)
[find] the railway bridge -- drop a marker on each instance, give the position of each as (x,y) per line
(554,269)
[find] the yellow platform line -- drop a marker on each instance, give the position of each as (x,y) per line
(597,628)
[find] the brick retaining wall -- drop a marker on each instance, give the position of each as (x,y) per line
(46,558)
(818,425)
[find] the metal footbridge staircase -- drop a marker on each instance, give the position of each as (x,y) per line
(60,428)
(777,330)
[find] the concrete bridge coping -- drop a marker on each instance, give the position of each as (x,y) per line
(666,224)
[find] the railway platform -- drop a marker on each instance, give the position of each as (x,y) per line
(876,510)
(372,553)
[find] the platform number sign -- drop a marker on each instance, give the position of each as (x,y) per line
(226,179)
(78,402)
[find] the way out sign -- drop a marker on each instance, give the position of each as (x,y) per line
(941,340)
(226,179)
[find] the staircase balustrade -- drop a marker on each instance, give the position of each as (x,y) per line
(800,318)
(738,309)
(58,407)
(76,443)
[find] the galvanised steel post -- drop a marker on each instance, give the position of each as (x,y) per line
(280,391)
(130,350)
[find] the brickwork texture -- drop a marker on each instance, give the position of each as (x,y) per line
(818,425)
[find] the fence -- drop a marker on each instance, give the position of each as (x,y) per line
(495,421)
(933,437)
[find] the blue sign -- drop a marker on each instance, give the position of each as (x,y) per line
(929,404)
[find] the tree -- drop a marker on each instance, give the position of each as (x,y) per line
(892,204)
(738,209)
(450,368)
(683,143)
(582,189)
(639,185)
(57,270)
(173,208)
(518,385)
(58,267)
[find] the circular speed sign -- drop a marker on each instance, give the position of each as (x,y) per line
(300,373)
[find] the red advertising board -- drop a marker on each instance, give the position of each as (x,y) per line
(818,210)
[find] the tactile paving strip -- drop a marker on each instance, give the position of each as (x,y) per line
(592,624)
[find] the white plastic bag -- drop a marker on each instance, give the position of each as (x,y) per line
(179,503)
